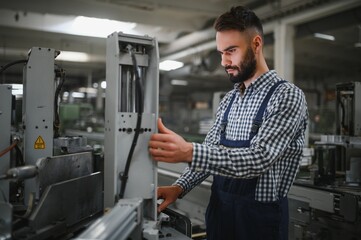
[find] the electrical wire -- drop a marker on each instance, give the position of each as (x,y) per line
(59,73)
(6,66)
(19,157)
(343,125)
(6,150)
(140,107)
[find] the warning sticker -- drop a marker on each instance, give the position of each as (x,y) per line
(39,143)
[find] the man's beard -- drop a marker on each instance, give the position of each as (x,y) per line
(246,70)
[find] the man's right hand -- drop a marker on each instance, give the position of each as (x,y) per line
(167,146)
(169,194)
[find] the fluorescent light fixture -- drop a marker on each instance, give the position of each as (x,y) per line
(98,27)
(324,36)
(78,95)
(88,90)
(73,56)
(169,65)
(179,82)
(67,24)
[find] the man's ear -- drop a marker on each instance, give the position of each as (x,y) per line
(257,44)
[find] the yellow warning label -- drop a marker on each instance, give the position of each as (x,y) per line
(39,143)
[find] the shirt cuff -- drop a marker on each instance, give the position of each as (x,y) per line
(184,192)
(200,158)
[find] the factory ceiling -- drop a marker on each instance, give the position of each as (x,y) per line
(184,32)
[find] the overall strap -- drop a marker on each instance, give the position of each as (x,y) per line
(257,122)
(225,115)
(224,141)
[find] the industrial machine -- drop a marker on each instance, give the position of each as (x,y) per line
(325,198)
(57,187)
(48,183)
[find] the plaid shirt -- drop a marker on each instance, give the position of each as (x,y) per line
(274,153)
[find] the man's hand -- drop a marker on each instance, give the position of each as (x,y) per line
(167,146)
(170,194)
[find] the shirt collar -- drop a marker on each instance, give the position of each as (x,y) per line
(260,82)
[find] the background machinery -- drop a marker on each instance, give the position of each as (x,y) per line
(325,198)
(57,187)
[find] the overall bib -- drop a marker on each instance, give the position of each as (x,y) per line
(233,213)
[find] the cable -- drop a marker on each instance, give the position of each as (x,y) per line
(6,150)
(140,104)
(343,125)
(19,157)
(3,68)
(59,73)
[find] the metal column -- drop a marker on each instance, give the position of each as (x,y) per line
(121,117)
(38,109)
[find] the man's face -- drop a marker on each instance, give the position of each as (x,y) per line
(238,58)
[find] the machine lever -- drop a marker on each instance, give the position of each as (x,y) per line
(21,173)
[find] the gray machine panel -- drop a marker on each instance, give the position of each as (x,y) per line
(317,199)
(61,168)
(5,126)
(38,108)
(69,201)
(140,183)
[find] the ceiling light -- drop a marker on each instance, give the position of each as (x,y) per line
(88,90)
(78,95)
(97,27)
(73,56)
(324,36)
(179,82)
(169,65)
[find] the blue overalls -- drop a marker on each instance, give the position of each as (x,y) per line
(233,213)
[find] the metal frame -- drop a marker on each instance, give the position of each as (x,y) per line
(5,126)
(121,117)
(125,219)
(5,141)
(349,94)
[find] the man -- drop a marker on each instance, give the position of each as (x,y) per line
(254,147)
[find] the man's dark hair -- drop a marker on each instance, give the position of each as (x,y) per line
(239,18)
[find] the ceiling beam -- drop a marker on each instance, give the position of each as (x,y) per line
(268,27)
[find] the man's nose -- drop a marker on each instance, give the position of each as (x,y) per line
(226,61)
